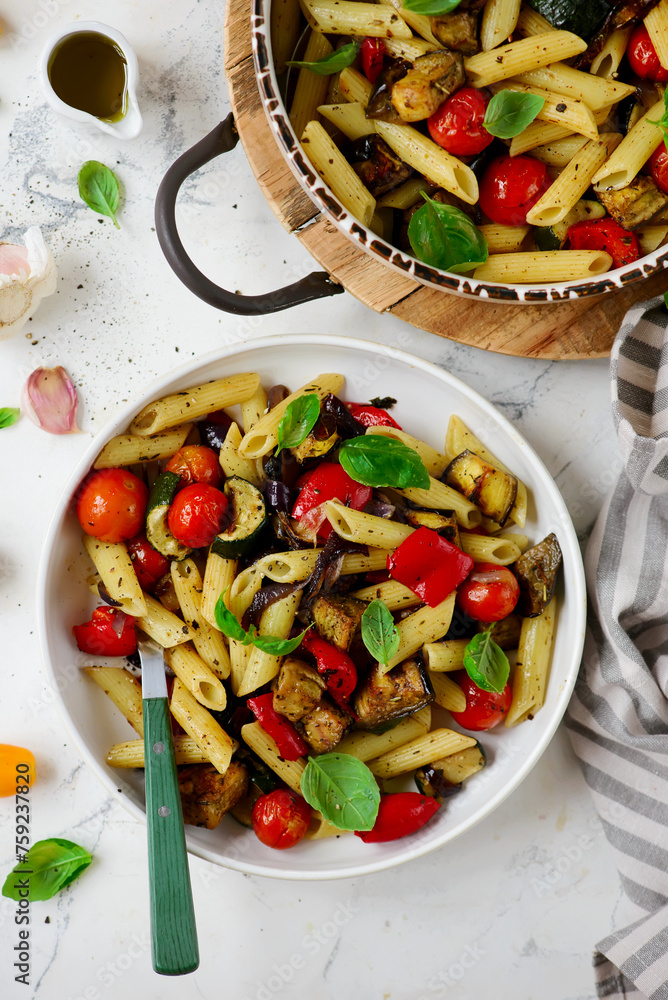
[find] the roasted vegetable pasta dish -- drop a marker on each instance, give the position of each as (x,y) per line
(340,604)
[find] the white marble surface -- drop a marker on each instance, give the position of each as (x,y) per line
(513,909)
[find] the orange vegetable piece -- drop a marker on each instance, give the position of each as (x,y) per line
(17,768)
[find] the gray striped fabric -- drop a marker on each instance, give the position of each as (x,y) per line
(618,717)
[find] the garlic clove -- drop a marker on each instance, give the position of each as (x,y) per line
(50,400)
(27,275)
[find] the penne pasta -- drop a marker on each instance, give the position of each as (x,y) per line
(277,621)
(261,439)
(632,153)
(420,23)
(219,575)
(656,23)
(284,31)
(504,239)
(486,548)
(551,265)
(405,196)
(113,563)
(560,152)
(131,753)
(519,57)
(596,91)
(189,404)
(128,449)
(201,726)
(650,237)
(439,166)
(162,625)
(420,751)
(123,689)
(239,655)
(253,409)
(434,462)
(394,594)
(354,563)
(261,743)
(530,677)
(409,48)
(555,204)
(568,112)
(348,118)
(234,464)
(424,625)
(365,746)
(608,60)
(444,656)
(344,17)
(193,672)
(311,89)
(530,22)
(209,643)
(442,497)
(447,693)
(499,20)
(354,86)
(365,529)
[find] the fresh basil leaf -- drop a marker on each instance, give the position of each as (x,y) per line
(47,868)
(8,415)
(276,646)
(432,8)
(486,663)
(510,111)
(376,460)
(343,789)
(444,236)
(383,402)
(298,421)
(662,122)
(379,633)
(332,63)
(229,625)
(99,188)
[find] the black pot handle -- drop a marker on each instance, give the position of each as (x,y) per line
(222,139)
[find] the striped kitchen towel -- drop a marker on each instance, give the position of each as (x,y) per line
(618,717)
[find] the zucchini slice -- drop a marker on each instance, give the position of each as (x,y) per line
(248,516)
(582,19)
(489,488)
(438,778)
(157,532)
(554,237)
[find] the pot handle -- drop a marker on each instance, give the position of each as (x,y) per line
(222,139)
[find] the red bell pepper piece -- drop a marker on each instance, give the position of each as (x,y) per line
(372,53)
(149,564)
(290,744)
(372,416)
(608,235)
(109,632)
(330,481)
(399,815)
(336,666)
(431,566)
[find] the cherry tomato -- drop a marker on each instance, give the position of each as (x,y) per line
(484,709)
(195,464)
(510,186)
(280,818)
(112,505)
(372,53)
(197,514)
(17,770)
(608,235)
(658,164)
(488,593)
(148,564)
(642,56)
(457,125)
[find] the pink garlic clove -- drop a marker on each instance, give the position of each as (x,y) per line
(50,400)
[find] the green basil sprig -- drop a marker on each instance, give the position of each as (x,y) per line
(99,188)
(230,626)
(379,633)
(432,8)
(444,236)
(47,868)
(486,663)
(8,415)
(298,421)
(343,789)
(510,111)
(662,122)
(332,63)
(376,460)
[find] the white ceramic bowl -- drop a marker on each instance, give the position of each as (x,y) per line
(427,395)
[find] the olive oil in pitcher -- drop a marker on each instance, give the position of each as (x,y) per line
(88,71)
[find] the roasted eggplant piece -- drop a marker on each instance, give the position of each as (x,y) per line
(489,488)
(380,105)
(619,15)
(206,794)
(536,571)
(319,441)
(424,88)
(324,726)
(376,165)
(442,521)
(457,31)
(505,633)
(634,204)
(337,618)
(297,689)
(391,695)
(440,778)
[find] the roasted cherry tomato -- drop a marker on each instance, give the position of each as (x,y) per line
(658,164)
(372,53)
(17,770)
(280,818)
(510,186)
(109,632)
(488,593)
(195,464)
(112,505)
(457,125)
(197,514)
(642,56)
(372,416)
(148,564)
(608,235)
(399,815)
(484,709)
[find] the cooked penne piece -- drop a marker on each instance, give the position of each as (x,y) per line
(632,153)
(202,727)
(219,575)
(261,743)
(650,237)
(596,91)
(560,152)
(284,31)
(428,158)
(447,693)
(117,573)
(504,239)
(424,625)
(530,676)
(530,22)
(409,48)
(434,462)
(162,625)
(365,746)
(234,464)
(348,118)
(336,172)
(239,655)
(209,643)
(189,404)
(608,60)
(521,541)
(656,23)
(420,751)
(394,594)
(261,439)
(569,112)
(277,620)
(406,195)
(499,20)
(519,57)
(128,449)
(555,204)
(319,828)
(288,567)
(344,17)
(311,89)
(365,529)
(551,265)
(354,563)
(485,548)
(444,656)
(442,497)
(354,86)
(131,753)
(123,689)
(243,590)
(192,671)
(540,133)
(420,23)
(253,409)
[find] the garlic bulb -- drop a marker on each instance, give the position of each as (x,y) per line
(27,275)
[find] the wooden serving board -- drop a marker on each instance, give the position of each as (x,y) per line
(579,328)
